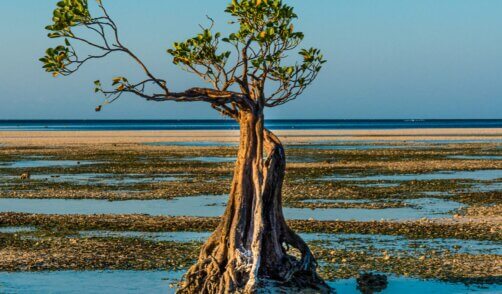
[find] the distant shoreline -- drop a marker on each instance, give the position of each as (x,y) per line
(47,138)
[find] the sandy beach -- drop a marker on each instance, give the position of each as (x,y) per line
(28,138)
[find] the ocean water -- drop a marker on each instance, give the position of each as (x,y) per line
(101,125)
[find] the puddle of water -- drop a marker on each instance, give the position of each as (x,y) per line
(422,208)
(183,237)
(211,159)
(107,282)
(108,179)
(47,163)
(486,175)
(409,141)
(195,144)
(336,201)
(218,159)
(359,242)
(88,282)
(207,206)
(12,230)
(379,185)
(356,242)
(435,141)
(399,285)
(301,159)
(347,147)
(476,157)
(213,206)
(437,193)
(493,187)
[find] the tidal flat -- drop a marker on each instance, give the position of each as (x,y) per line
(423,209)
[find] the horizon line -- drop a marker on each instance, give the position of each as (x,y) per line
(284,119)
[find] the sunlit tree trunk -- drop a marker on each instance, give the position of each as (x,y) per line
(249,249)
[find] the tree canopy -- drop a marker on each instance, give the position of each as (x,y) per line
(247,69)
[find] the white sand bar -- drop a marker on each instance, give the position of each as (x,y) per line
(288,136)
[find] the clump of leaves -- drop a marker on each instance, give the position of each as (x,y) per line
(265,34)
(56,60)
(68,13)
(199,50)
(263,21)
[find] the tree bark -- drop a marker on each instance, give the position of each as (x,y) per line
(248,251)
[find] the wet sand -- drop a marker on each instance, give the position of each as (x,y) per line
(20,138)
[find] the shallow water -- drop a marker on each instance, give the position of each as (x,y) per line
(355,201)
(354,242)
(360,242)
(213,206)
(88,282)
(399,285)
(152,282)
(437,193)
(183,237)
(348,147)
(210,159)
(11,230)
(454,141)
(46,163)
(493,187)
(485,175)
(105,179)
(477,157)
(422,208)
(409,142)
(195,144)
(218,159)
(379,185)
(392,144)
(189,206)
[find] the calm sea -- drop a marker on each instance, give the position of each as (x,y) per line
(119,125)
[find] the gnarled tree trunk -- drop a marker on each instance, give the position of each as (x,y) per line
(249,249)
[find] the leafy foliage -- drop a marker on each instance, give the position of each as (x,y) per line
(68,13)
(263,21)
(252,59)
(199,50)
(265,34)
(56,59)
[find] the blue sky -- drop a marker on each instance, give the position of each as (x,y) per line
(387,59)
